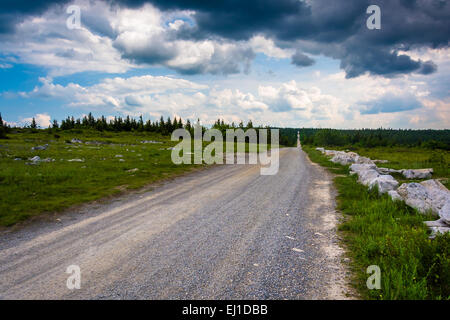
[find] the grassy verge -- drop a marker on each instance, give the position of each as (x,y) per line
(409,158)
(391,235)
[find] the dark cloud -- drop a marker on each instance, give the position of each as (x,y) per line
(391,103)
(15,11)
(333,28)
(302,60)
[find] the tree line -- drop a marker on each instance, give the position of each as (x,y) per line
(432,139)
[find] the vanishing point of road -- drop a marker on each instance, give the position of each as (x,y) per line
(225,232)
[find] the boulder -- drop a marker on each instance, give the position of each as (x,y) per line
(415,195)
(358,167)
(437,230)
(380,161)
(330,152)
(344,158)
(75,160)
(366,177)
(35,159)
(388,170)
(74,140)
(417,173)
(437,223)
(322,150)
(395,196)
(438,194)
(444,212)
(363,160)
(44,147)
(385,183)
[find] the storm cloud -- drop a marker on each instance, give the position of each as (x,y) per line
(335,29)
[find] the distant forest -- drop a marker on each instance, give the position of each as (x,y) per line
(432,139)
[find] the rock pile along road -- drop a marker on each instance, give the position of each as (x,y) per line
(226,232)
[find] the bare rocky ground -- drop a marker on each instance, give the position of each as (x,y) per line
(223,233)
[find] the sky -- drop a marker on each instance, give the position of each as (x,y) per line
(287,63)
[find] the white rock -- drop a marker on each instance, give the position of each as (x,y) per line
(366,177)
(380,161)
(35,159)
(417,173)
(74,140)
(75,160)
(385,183)
(44,147)
(363,160)
(437,230)
(133,170)
(322,150)
(395,196)
(444,212)
(388,170)
(437,192)
(416,196)
(344,158)
(358,167)
(437,223)
(118,156)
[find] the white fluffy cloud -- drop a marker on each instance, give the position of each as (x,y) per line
(42,120)
(150,95)
(268,47)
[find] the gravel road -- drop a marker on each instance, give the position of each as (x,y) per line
(226,232)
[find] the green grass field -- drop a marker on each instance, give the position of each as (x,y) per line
(377,231)
(29,190)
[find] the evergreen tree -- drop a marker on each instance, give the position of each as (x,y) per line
(33,124)
(2,128)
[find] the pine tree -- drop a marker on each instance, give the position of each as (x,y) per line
(33,124)
(55,124)
(188,125)
(141,123)
(2,128)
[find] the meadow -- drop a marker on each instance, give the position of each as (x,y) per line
(111,163)
(377,231)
